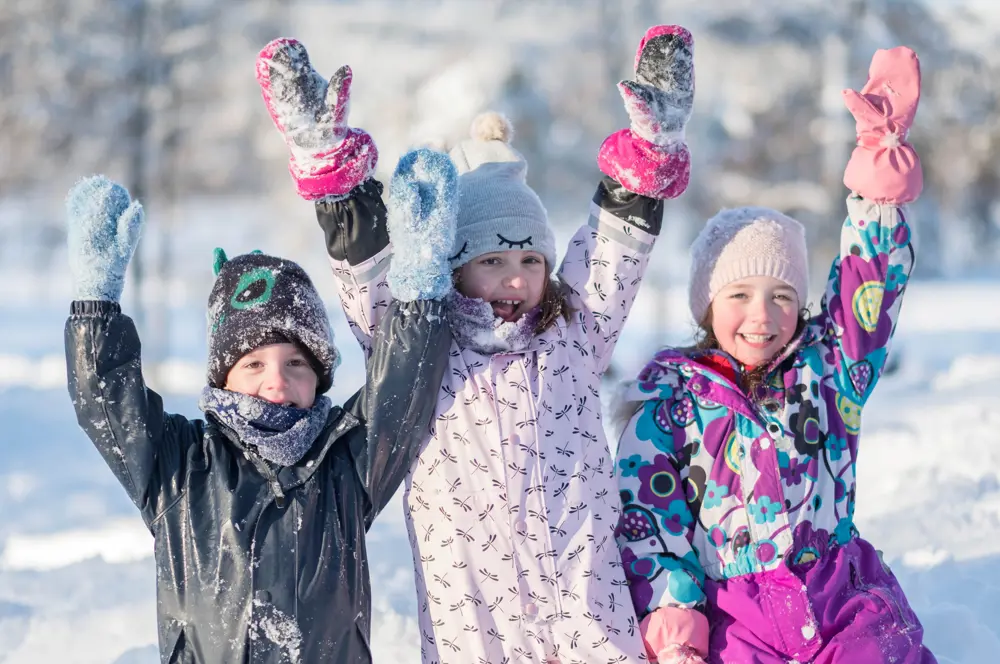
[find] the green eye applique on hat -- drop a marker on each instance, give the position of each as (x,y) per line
(253,289)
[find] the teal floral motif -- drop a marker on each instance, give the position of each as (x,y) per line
(653,425)
(836,447)
(714,494)
(896,277)
(844,532)
(630,467)
(686,577)
(811,358)
(676,517)
(764,510)
(746,563)
(783,460)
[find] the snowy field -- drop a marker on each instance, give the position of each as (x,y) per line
(76,573)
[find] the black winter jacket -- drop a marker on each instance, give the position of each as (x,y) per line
(255,563)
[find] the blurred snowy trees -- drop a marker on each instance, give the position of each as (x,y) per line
(161,95)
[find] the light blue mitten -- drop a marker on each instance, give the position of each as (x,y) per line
(102,229)
(422,214)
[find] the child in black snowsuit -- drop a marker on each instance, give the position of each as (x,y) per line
(259,511)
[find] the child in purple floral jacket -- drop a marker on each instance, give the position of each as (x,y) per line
(737,466)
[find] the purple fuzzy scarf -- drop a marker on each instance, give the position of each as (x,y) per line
(476,327)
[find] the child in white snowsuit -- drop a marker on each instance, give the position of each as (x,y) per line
(259,511)
(511,506)
(737,467)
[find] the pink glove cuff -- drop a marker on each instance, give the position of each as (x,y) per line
(338,171)
(656,171)
(673,628)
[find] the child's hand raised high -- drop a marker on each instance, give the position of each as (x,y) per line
(327,156)
(422,213)
(884,167)
(651,157)
(103,228)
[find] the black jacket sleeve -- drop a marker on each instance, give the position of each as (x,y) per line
(398,401)
(355,226)
(124,419)
(634,209)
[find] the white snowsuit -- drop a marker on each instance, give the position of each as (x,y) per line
(512,506)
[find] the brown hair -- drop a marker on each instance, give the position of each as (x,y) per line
(751,381)
(555,303)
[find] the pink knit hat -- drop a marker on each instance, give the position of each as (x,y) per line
(746,242)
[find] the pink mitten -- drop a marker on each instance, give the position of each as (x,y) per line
(651,157)
(675,654)
(675,635)
(883,166)
(327,156)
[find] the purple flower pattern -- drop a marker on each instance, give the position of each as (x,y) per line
(776,476)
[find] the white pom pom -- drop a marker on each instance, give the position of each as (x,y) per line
(492,126)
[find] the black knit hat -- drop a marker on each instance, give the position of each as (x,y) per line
(259,300)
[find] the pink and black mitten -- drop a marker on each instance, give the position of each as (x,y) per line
(651,157)
(884,167)
(328,158)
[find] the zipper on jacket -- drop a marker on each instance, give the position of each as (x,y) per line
(279,495)
(272,480)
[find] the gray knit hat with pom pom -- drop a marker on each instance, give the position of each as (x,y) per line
(497,210)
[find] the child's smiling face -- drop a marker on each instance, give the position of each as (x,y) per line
(511,281)
(754,318)
(279,373)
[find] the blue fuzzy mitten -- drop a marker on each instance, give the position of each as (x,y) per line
(422,215)
(102,229)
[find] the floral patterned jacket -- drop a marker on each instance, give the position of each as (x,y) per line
(715,485)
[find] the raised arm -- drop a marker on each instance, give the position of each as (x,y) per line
(413,338)
(868,279)
(605,262)
(357,241)
(644,164)
(332,165)
(123,418)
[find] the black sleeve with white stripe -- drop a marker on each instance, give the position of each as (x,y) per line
(635,209)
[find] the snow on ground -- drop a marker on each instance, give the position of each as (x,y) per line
(76,575)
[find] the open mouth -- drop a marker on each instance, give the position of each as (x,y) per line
(758,340)
(508,310)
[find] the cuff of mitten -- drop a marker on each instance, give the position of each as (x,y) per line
(94,308)
(656,171)
(885,171)
(337,172)
(671,626)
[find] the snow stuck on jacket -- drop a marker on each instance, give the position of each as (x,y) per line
(268,622)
